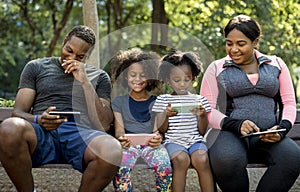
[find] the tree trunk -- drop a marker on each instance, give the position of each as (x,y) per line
(90,19)
(159,24)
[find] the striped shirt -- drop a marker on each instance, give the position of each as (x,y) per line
(183,128)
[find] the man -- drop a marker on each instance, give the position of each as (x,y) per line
(33,137)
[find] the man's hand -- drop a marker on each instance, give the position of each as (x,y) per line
(50,122)
(76,68)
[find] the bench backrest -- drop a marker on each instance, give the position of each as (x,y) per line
(294,133)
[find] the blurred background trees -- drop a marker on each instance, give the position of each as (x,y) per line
(35,28)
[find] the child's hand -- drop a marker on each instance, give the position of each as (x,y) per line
(170,112)
(155,141)
(199,110)
(125,142)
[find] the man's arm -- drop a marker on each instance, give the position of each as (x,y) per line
(118,125)
(99,110)
(22,108)
(23,103)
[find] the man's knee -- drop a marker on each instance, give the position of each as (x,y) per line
(106,148)
(11,128)
(14,131)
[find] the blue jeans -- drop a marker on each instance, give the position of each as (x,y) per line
(172,148)
(229,156)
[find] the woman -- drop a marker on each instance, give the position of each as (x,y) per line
(244,89)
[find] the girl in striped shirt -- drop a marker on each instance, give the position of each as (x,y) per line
(182,116)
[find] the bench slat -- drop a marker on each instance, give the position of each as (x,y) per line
(294,133)
(298,117)
(256,165)
(57,166)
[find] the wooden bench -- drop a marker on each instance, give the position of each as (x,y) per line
(294,133)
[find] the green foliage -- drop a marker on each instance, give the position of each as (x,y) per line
(206,19)
(6,102)
(26,30)
(203,19)
(279,20)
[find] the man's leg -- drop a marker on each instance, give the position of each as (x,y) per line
(17,143)
(102,157)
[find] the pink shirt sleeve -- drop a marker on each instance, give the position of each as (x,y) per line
(287,93)
(209,89)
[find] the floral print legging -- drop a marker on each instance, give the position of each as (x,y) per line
(156,158)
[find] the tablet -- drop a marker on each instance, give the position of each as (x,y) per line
(64,114)
(263,132)
(140,139)
(185,108)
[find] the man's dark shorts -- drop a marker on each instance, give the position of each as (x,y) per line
(66,144)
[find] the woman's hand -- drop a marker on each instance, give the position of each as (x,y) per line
(248,127)
(271,137)
(155,141)
(125,142)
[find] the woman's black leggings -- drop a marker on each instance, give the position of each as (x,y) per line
(229,156)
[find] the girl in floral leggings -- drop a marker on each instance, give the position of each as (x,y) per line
(136,71)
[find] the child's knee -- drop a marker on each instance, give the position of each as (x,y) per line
(181,160)
(201,159)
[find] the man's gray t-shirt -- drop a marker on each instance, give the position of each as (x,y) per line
(55,88)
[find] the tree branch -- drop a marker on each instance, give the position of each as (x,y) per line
(61,25)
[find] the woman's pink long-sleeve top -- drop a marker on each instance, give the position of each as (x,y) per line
(248,96)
